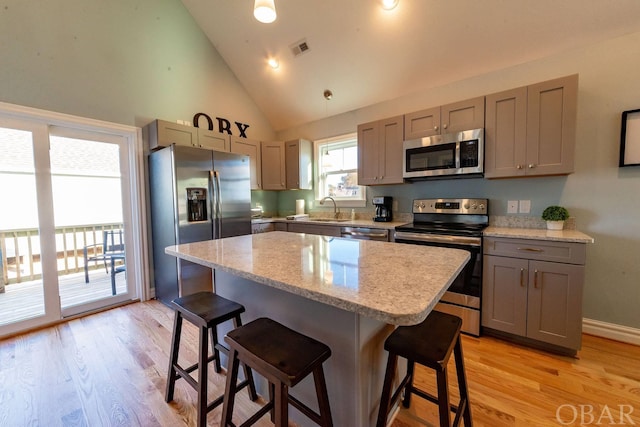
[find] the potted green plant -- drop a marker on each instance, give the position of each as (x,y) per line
(555,217)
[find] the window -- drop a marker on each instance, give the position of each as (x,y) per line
(336,171)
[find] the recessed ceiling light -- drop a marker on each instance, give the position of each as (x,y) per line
(389,4)
(273,63)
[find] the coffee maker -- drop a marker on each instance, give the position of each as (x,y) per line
(383,208)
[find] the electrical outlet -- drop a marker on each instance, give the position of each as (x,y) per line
(180,122)
(525,206)
(512,206)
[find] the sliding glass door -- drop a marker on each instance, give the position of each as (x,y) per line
(67,222)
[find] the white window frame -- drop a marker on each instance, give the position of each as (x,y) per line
(318,187)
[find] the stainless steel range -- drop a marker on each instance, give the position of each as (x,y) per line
(453,223)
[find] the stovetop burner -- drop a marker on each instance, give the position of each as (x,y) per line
(454,228)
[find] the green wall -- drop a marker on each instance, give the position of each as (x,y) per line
(604,199)
(122,61)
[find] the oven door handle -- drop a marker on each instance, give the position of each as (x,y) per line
(438,238)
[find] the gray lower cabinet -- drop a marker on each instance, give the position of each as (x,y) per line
(324,230)
(533,289)
(263,227)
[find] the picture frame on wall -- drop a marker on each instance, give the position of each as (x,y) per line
(630,138)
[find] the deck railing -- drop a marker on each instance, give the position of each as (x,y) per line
(20,250)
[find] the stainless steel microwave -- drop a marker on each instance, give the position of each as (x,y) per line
(457,154)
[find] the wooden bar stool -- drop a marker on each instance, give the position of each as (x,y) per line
(284,357)
(206,310)
(430,344)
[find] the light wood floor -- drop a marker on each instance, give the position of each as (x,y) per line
(110,369)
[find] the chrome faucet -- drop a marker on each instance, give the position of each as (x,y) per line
(336,211)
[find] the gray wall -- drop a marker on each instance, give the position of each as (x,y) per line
(604,199)
(122,61)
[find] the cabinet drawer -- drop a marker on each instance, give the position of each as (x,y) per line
(324,230)
(565,252)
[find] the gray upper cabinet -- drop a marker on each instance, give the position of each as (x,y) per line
(450,118)
(161,133)
(251,148)
(380,152)
(298,164)
(273,166)
(531,131)
(214,140)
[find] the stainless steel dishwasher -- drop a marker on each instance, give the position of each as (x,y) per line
(364,233)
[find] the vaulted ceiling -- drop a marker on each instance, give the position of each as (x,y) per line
(366,55)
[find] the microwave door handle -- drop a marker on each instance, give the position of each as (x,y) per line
(458,155)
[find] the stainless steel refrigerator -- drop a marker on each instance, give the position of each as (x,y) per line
(195,195)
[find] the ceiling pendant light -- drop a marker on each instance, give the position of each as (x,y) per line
(265,11)
(389,4)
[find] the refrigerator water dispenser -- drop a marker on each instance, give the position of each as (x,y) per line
(196,204)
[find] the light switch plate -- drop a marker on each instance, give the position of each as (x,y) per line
(512,206)
(525,206)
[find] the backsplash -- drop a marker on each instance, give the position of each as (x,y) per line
(514,221)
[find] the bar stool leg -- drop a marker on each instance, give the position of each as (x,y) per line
(202,376)
(248,375)
(214,347)
(230,389)
(406,402)
(323,397)
(387,387)
(173,357)
(443,398)
(462,383)
(281,405)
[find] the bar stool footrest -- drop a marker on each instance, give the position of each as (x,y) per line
(313,415)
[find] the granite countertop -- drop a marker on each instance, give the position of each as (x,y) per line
(572,236)
(396,284)
(326,221)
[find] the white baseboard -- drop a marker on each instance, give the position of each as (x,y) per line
(611,331)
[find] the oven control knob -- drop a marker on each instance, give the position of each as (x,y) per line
(474,206)
(481,206)
(466,206)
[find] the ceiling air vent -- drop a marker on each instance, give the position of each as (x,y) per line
(299,47)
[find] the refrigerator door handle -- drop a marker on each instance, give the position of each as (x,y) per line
(218,196)
(213,206)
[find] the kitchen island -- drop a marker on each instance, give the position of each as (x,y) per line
(346,293)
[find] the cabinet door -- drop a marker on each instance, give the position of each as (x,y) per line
(391,133)
(554,313)
(368,153)
(504,294)
(251,148)
(422,123)
(163,134)
(506,134)
(214,140)
(463,115)
(273,166)
(551,126)
(298,164)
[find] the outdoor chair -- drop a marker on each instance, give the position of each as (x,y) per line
(109,251)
